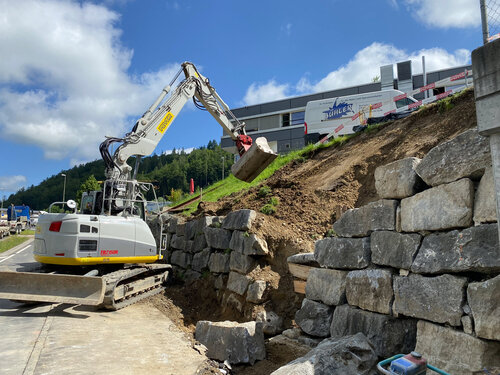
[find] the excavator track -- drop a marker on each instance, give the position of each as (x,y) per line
(128,286)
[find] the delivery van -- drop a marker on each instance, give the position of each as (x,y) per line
(348,114)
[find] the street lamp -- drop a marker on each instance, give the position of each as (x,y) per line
(64,186)
(223,160)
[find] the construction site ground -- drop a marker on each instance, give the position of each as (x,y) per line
(313,192)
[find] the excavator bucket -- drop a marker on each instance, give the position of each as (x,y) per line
(254,161)
(46,287)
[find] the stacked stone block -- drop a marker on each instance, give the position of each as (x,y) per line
(420,267)
(225,248)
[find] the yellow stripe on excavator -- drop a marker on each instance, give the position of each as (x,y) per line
(94,260)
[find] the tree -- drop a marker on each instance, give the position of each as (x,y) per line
(89,185)
(376,79)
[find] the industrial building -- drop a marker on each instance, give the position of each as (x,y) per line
(282,121)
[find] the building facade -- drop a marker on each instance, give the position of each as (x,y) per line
(282,121)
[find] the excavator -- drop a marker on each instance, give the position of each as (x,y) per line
(106,254)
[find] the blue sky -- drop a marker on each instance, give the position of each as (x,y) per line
(72,72)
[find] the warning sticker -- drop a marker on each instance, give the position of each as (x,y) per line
(165,123)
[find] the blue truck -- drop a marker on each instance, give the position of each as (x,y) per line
(18,218)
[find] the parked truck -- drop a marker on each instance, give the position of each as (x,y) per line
(18,218)
(4,226)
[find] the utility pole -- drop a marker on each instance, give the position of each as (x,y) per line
(484,21)
(64,186)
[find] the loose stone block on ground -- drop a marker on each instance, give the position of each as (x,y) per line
(398,179)
(350,355)
(456,352)
(232,341)
(343,253)
(370,290)
(327,286)
(442,207)
(360,222)
(387,334)
(438,299)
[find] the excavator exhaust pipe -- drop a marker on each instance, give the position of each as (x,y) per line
(46,287)
(254,161)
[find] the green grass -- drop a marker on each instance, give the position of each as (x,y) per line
(28,232)
(232,185)
(11,241)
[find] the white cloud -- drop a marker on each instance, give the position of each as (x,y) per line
(265,92)
(446,13)
(67,87)
(186,150)
(12,183)
(286,29)
(362,68)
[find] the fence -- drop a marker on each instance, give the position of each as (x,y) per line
(490,19)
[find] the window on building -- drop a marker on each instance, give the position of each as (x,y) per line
(403,102)
(291,119)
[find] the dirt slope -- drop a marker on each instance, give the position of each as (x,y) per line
(313,191)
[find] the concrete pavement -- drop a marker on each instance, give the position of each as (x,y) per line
(62,339)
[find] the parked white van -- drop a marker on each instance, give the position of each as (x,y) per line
(326,115)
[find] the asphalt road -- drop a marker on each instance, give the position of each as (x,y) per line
(63,339)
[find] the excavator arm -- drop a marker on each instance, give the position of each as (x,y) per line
(151,127)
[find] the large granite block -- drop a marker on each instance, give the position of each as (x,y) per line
(398,179)
(474,249)
(485,202)
(387,334)
(241,263)
(200,260)
(218,238)
(343,253)
(327,286)
(456,352)
(314,318)
(232,341)
(219,263)
(484,301)
(239,220)
(248,244)
(360,222)
(238,283)
(181,259)
(466,155)
(442,207)
(438,299)
(394,249)
(370,290)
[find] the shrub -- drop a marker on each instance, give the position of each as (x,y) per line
(268,209)
(264,191)
(274,201)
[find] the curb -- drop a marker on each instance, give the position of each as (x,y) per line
(17,248)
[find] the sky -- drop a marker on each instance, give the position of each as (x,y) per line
(73,72)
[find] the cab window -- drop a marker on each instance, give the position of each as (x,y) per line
(403,102)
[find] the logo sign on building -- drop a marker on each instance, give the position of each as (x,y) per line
(337,110)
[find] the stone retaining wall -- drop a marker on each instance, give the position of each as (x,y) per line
(412,269)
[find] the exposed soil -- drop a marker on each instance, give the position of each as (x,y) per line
(313,192)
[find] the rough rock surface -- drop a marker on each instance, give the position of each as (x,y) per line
(485,201)
(387,334)
(370,289)
(398,179)
(248,244)
(219,263)
(241,263)
(200,260)
(360,222)
(394,249)
(438,299)
(239,220)
(200,242)
(178,242)
(302,258)
(474,249)
(442,207)
(350,355)
(181,259)
(238,283)
(272,323)
(327,286)
(256,291)
(467,155)
(218,238)
(484,301)
(456,352)
(343,253)
(314,318)
(232,341)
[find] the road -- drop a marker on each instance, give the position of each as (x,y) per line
(63,339)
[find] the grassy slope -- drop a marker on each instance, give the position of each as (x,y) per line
(11,241)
